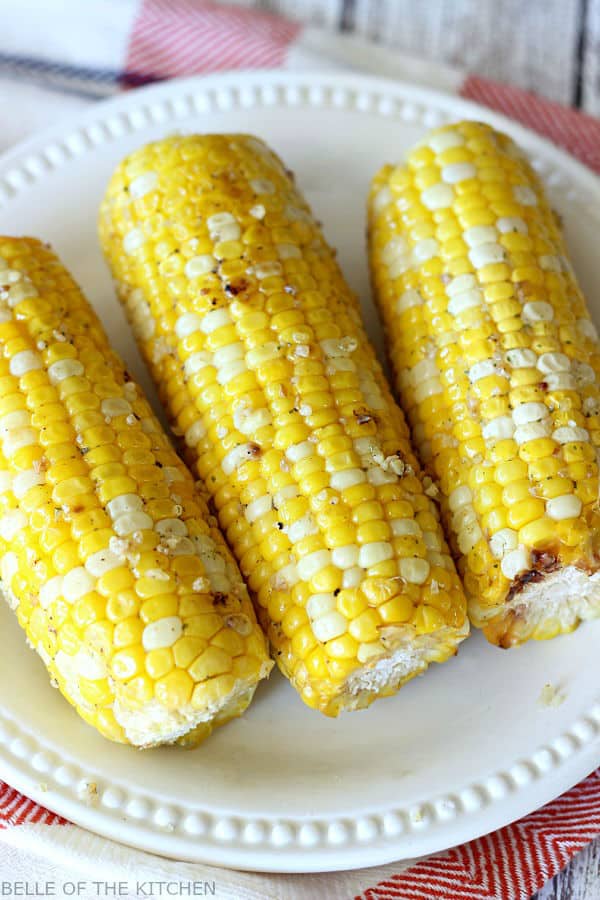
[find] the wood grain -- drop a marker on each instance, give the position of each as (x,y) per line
(551,47)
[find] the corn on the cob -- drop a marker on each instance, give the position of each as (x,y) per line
(108,554)
(497,363)
(258,349)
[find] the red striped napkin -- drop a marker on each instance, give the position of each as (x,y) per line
(165,38)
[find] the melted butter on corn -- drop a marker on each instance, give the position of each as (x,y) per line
(103,534)
(498,364)
(270,381)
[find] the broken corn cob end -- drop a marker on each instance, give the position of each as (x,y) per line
(108,553)
(497,362)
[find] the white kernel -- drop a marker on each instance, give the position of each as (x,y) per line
(438,196)
(77,583)
(460,496)
(444,140)
(24,481)
(378,476)
(583,373)
(268,269)
(503,542)
(346,478)
(553,362)
(257,508)
(529,412)
(133,240)
(188,324)
(329,626)
(524,195)
(532,431)
(296,452)
(401,527)
(132,521)
(194,434)
(407,300)
(312,563)
(352,578)
(339,347)
(456,172)
(23,362)
(515,562)
(171,473)
(498,429)
(162,633)
(288,251)
(248,420)
(142,185)
(567,506)
(506,224)
(458,303)
(560,381)
(480,234)
(124,503)
(16,439)
(216,318)
(319,605)
(197,361)
(587,328)
(521,358)
(423,370)
(285,493)
(460,284)
(469,536)
(115,406)
(550,263)
(257,211)
(345,557)
(11,523)
(238,456)
(90,665)
(414,570)
(64,368)
(425,250)
(537,311)
(222,226)
(482,369)
(19,418)
(569,433)
(21,291)
(432,540)
(171,526)
(101,562)
(382,199)
(262,186)
(230,371)
(395,248)
(373,553)
(199,265)
(51,591)
(486,254)
(9,568)
(301,529)
(426,389)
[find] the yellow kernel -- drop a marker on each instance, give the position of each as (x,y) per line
(364,628)
(344,647)
(213,661)
(187,649)
(351,603)
(159,662)
(174,690)
(428,619)
(128,632)
(399,609)
(524,512)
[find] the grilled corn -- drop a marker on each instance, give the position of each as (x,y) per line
(108,555)
(497,363)
(259,352)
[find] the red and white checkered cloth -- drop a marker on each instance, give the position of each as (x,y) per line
(53,68)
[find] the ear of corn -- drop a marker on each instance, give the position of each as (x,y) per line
(497,363)
(259,352)
(108,555)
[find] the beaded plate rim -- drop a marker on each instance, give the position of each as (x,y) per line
(262,843)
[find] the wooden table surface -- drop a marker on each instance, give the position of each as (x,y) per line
(548,46)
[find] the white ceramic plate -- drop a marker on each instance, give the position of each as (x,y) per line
(465,749)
